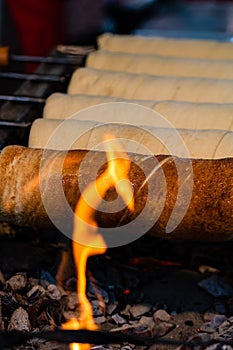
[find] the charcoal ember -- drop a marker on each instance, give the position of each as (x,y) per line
(20,320)
(118,319)
(46,279)
(44,320)
(17,282)
(100,319)
(97,308)
(53,292)
(216,286)
(126,347)
(72,302)
(161,315)
(225,335)
(196,339)
(46,309)
(70,284)
(20,298)
(125,328)
(35,293)
(211,326)
(9,303)
(126,311)
(224,326)
(68,315)
(155,347)
(33,281)
(147,322)
(209,315)
(33,344)
(56,309)
(35,309)
(97,347)
(142,330)
(140,347)
(134,329)
(218,346)
(102,305)
(38,344)
(105,347)
(93,290)
(161,328)
(111,308)
(208,328)
(33,316)
(140,309)
(183,331)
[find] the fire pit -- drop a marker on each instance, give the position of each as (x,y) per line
(150,289)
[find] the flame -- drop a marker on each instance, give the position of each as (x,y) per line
(86,228)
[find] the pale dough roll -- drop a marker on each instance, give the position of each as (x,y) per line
(62,106)
(160,66)
(185,115)
(75,134)
(166,46)
(145,87)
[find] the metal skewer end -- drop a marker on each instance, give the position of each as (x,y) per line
(75,55)
(14,124)
(33,77)
(19,98)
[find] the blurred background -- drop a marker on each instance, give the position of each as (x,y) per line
(32,27)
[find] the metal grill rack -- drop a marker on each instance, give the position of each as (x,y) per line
(18,111)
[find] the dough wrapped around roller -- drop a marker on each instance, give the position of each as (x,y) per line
(166,46)
(61,106)
(145,87)
(76,134)
(185,115)
(209,215)
(159,65)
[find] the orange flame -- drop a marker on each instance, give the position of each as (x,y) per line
(86,229)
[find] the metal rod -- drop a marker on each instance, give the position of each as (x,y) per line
(41,59)
(9,339)
(16,338)
(8,123)
(33,77)
(91,337)
(18,98)
(71,55)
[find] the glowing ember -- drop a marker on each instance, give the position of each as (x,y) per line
(86,230)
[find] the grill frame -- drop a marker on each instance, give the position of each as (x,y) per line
(24,113)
